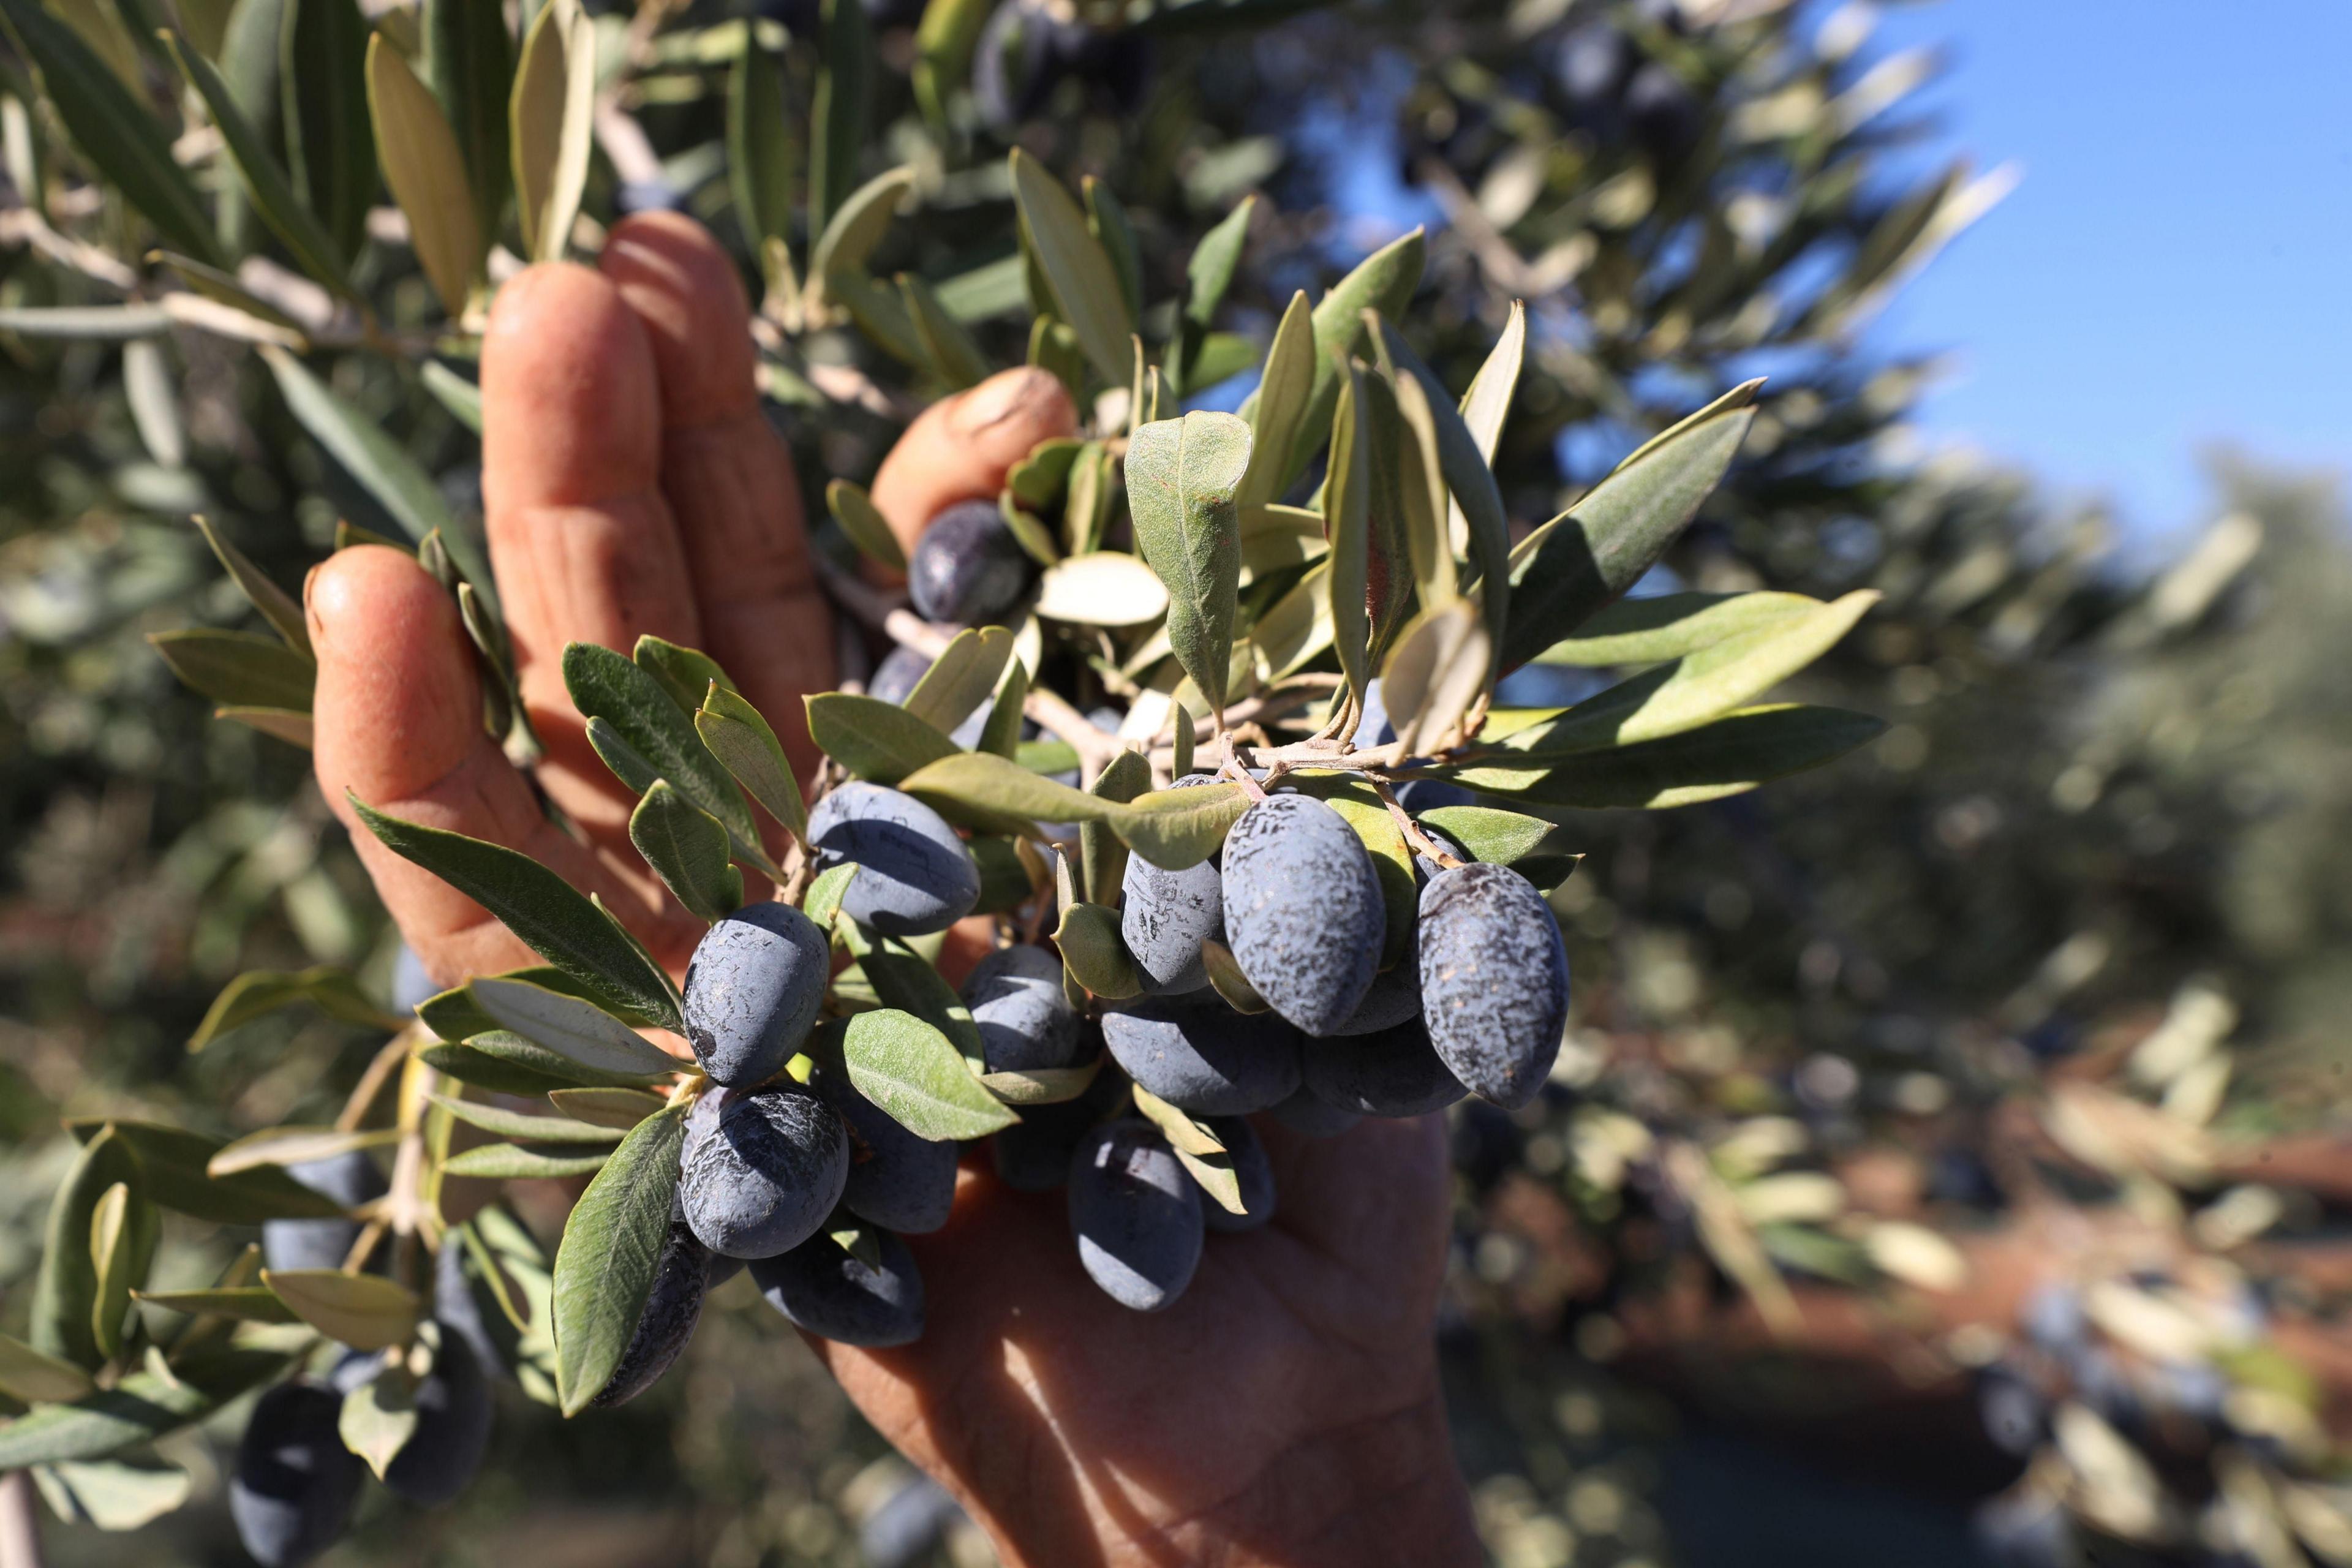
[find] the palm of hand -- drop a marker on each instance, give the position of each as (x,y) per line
(633,486)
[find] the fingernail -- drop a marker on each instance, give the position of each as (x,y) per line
(996,399)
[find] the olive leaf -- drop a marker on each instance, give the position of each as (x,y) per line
(1173,828)
(1126,776)
(1182,730)
(878,741)
(1085,284)
(687,849)
(283,1146)
(610,1109)
(759,145)
(903,979)
(962,678)
(240,1303)
(1095,953)
(65,1291)
(915,1074)
(1001,733)
(378,1417)
(1701,685)
(837,120)
(32,1378)
(823,900)
(508,1163)
(1434,673)
(117,1261)
(1207,275)
(685,674)
(426,172)
(1568,569)
(578,1031)
(740,738)
(275,604)
(1495,837)
(1181,475)
(257,992)
(1347,520)
(1298,626)
(1107,220)
(1105,588)
(1043,1085)
(1488,402)
(847,237)
(535,1074)
(1729,757)
(173,1162)
(143,1405)
(87,323)
(1431,542)
(553,920)
(1225,975)
(949,351)
(112,128)
(1466,475)
(112,1494)
(523,1127)
(469,58)
(604,1265)
(1669,625)
(1384,282)
(853,510)
(244,670)
(1216,1176)
(323,89)
(1277,412)
(623,702)
(551,114)
(362,1311)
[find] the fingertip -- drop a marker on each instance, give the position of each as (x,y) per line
(571,410)
(398,704)
(685,290)
(961,448)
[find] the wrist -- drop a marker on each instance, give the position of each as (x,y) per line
(1377,1491)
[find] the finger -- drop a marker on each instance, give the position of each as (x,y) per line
(727,473)
(398,723)
(582,542)
(961,448)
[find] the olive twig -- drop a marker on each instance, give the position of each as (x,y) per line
(1418,841)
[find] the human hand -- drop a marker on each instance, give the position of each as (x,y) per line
(1286,1409)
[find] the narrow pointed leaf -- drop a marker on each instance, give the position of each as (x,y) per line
(616,1109)
(552,112)
(1472,483)
(747,749)
(362,1311)
(1347,520)
(948,349)
(848,238)
(759,149)
(1208,274)
(378,1417)
(172,1162)
(839,118)
(1278,411)
(1436,672)
(1669,625)
(1384,282)
(322,85)
(1106,221)
(915,1074)
(605,686)
(243,669)
(907,981)
(962,678)
(689,850)
(605,1265)
(1085,284)
(1732,756)
(32,1378)
(580,1030)
(142,1407)
(876,740)
(853,510)
(1095,953)
(426,171)
(275,604)
(542,1163)
(1181,475)
(1488,402)
(1590,554)
(469,58)
(282,1146)
(553,920)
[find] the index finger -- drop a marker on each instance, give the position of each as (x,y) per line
(961,447)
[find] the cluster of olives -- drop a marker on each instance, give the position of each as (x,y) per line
(772,1160)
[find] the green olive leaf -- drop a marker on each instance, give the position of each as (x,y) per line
(1729,757)
(378,1417)
(1590,554)
(914,1073)
(511,1163)
(687,849)
(426,172)
(1084,282)
(878,741)
(1277,412)
(243,669)
(362,1311)
(1181,476)
(334,990)
(962,678)
(745,745)
(143,1406)
(605,1265)
(1095,953)
(853,510)
(908,982)
(843,108)
(555,922)
(323,115)
(759,152)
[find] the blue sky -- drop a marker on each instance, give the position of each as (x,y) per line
(2176,267)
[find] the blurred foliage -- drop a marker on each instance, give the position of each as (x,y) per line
(1954,989)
